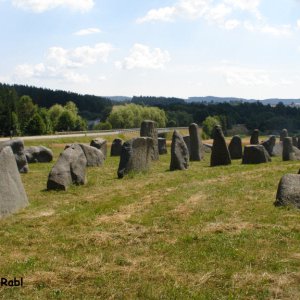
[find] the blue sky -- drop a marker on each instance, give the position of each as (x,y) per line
(180,48)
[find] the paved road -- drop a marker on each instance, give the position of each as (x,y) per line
(87,133)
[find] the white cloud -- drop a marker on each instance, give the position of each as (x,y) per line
(162,14)
(60,63)
(39,6)
(87,31)
(78,57)
(141,56)
(276,31)
(231,24)
(246,5)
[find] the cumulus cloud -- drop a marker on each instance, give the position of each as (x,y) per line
(87,31)
(142,56)
(62,63)
(39,6)
(219,13)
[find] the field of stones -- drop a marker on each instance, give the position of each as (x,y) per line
(202,227)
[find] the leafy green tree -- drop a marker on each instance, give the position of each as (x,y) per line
(80,124)
(66,121)
(208,125)
(55,112)
(26,109)
(71,106)
(132,115)
(44,113)
(103,126)
(35,126)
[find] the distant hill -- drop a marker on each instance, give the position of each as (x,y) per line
(156,101)
(233,100)
(119,98)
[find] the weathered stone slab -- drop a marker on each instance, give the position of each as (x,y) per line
(295,141)
(40,154)
(235,147)
(116,147)
(289,152)
(17,147)
(255,154)
(136,156)
(162,146)
(179,153)
(220,154)
(195,143)
(269,145)
(254,140)
(12,196)
(288,192)
(187,141)
(149,129)
(94,156)
(283,134)
(100,144)
(69,168)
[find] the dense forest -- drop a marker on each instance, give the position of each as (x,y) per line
(29,110)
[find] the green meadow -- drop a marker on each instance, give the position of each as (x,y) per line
(204,233)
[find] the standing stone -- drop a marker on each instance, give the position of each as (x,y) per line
(298,144)
(116,147)
(17,147)
(235,147)
(269,145)
(254,137)
(69,168)
(195,143)
(255,154)
(187,141)
(136,155)
(288,191)
(220,154)
(283,134)
(289,152)
(149,129)
(295,141)
(100,144)
(179,153)
(36,154)
(12,196)
(162,146)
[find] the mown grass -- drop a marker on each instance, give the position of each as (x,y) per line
(204,233)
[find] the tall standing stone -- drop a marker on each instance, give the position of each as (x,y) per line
(220,154)
(179,153)
(289,152)
(283,134)
(116,147)
(162,146)
(298,144)
(254,137)
(235,147)
(195,143)
(12,196)
(149,129)
(136,155)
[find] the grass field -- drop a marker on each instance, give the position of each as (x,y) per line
(204,233)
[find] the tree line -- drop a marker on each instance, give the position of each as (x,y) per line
(28,110)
